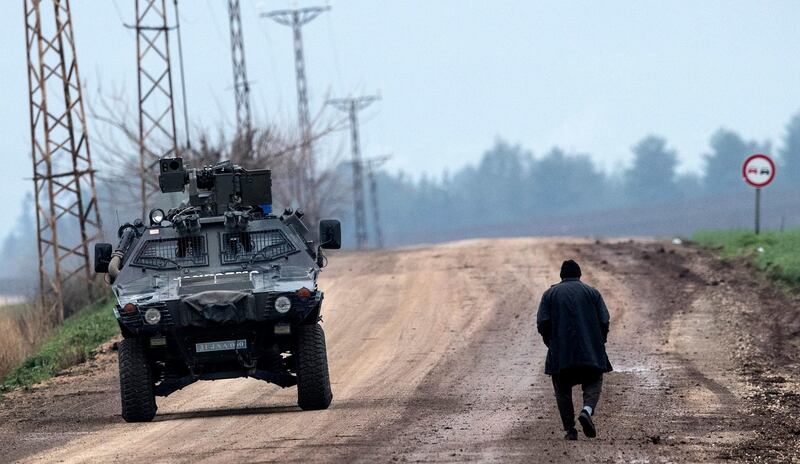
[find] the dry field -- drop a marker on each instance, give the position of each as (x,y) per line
(22,327)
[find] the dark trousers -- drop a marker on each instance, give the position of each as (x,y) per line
(591,383)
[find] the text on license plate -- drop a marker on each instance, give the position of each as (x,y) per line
(220,346)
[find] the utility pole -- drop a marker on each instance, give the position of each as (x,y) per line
(157,137)
(241,86)
(372,165)
(296,19)
(63,176)
(352,106)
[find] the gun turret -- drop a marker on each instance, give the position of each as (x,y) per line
(218,188)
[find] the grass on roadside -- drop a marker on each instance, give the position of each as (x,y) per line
(70,344)
(776,252)
(22,328)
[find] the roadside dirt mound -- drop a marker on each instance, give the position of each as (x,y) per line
(734,332)
(434,358)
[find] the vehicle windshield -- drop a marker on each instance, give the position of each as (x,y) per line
(257,246)
(174,253)
(165,262)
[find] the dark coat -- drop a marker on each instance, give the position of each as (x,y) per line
(573,321)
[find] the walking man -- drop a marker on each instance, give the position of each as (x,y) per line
(573,321)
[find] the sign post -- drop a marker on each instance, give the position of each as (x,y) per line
(758,171)
(758,211)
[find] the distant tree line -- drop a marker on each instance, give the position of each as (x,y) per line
(507,186)
(510,184)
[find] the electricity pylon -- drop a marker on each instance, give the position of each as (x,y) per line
(63,176)
(352,106)
(371,166)
(241,86)
(157,137)
(296,19)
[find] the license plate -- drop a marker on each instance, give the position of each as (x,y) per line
(220,346)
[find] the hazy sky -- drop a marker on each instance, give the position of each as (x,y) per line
(586,75)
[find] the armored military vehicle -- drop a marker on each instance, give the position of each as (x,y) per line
(218,288)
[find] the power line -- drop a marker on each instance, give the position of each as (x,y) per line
(336,62)
(183,78)
(352,106)
(62,165)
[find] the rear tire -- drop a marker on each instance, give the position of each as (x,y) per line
(135,382)
(313,379)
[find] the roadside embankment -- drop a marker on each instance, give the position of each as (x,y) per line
(72,343)
(775,252)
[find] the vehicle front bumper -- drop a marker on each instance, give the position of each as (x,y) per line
(190,312)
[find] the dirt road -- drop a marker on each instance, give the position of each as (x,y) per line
(434,358)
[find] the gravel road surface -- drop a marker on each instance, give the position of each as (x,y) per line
(434,358)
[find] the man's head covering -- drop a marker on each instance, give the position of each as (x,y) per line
(570,269)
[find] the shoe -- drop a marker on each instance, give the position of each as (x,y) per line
(588,426)
(571,435)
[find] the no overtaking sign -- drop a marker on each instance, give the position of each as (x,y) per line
(758,171)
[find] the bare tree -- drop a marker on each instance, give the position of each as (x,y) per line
(319,191)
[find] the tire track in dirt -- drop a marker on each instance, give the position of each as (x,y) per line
(657,405)
(719,320)
(469,402)
(434,357)
(390,317)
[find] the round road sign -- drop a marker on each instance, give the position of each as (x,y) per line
(758,170)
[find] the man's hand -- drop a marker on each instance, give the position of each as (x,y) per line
(544,328)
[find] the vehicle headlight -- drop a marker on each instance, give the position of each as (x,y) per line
(156,216)
(283,304)
(152,316)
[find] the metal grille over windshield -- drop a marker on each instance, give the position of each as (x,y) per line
(173,252)
(242,247)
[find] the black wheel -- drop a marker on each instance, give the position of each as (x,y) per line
(313,380)
(135,382)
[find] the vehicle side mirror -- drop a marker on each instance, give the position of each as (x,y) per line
(102,257)
(330,234)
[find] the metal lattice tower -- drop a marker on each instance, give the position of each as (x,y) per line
(352,106)
(62,165)
(241,86)
(296,19)
(372,165)
(157,137)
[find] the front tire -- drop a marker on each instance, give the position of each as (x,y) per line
(313,379)
(135,382)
